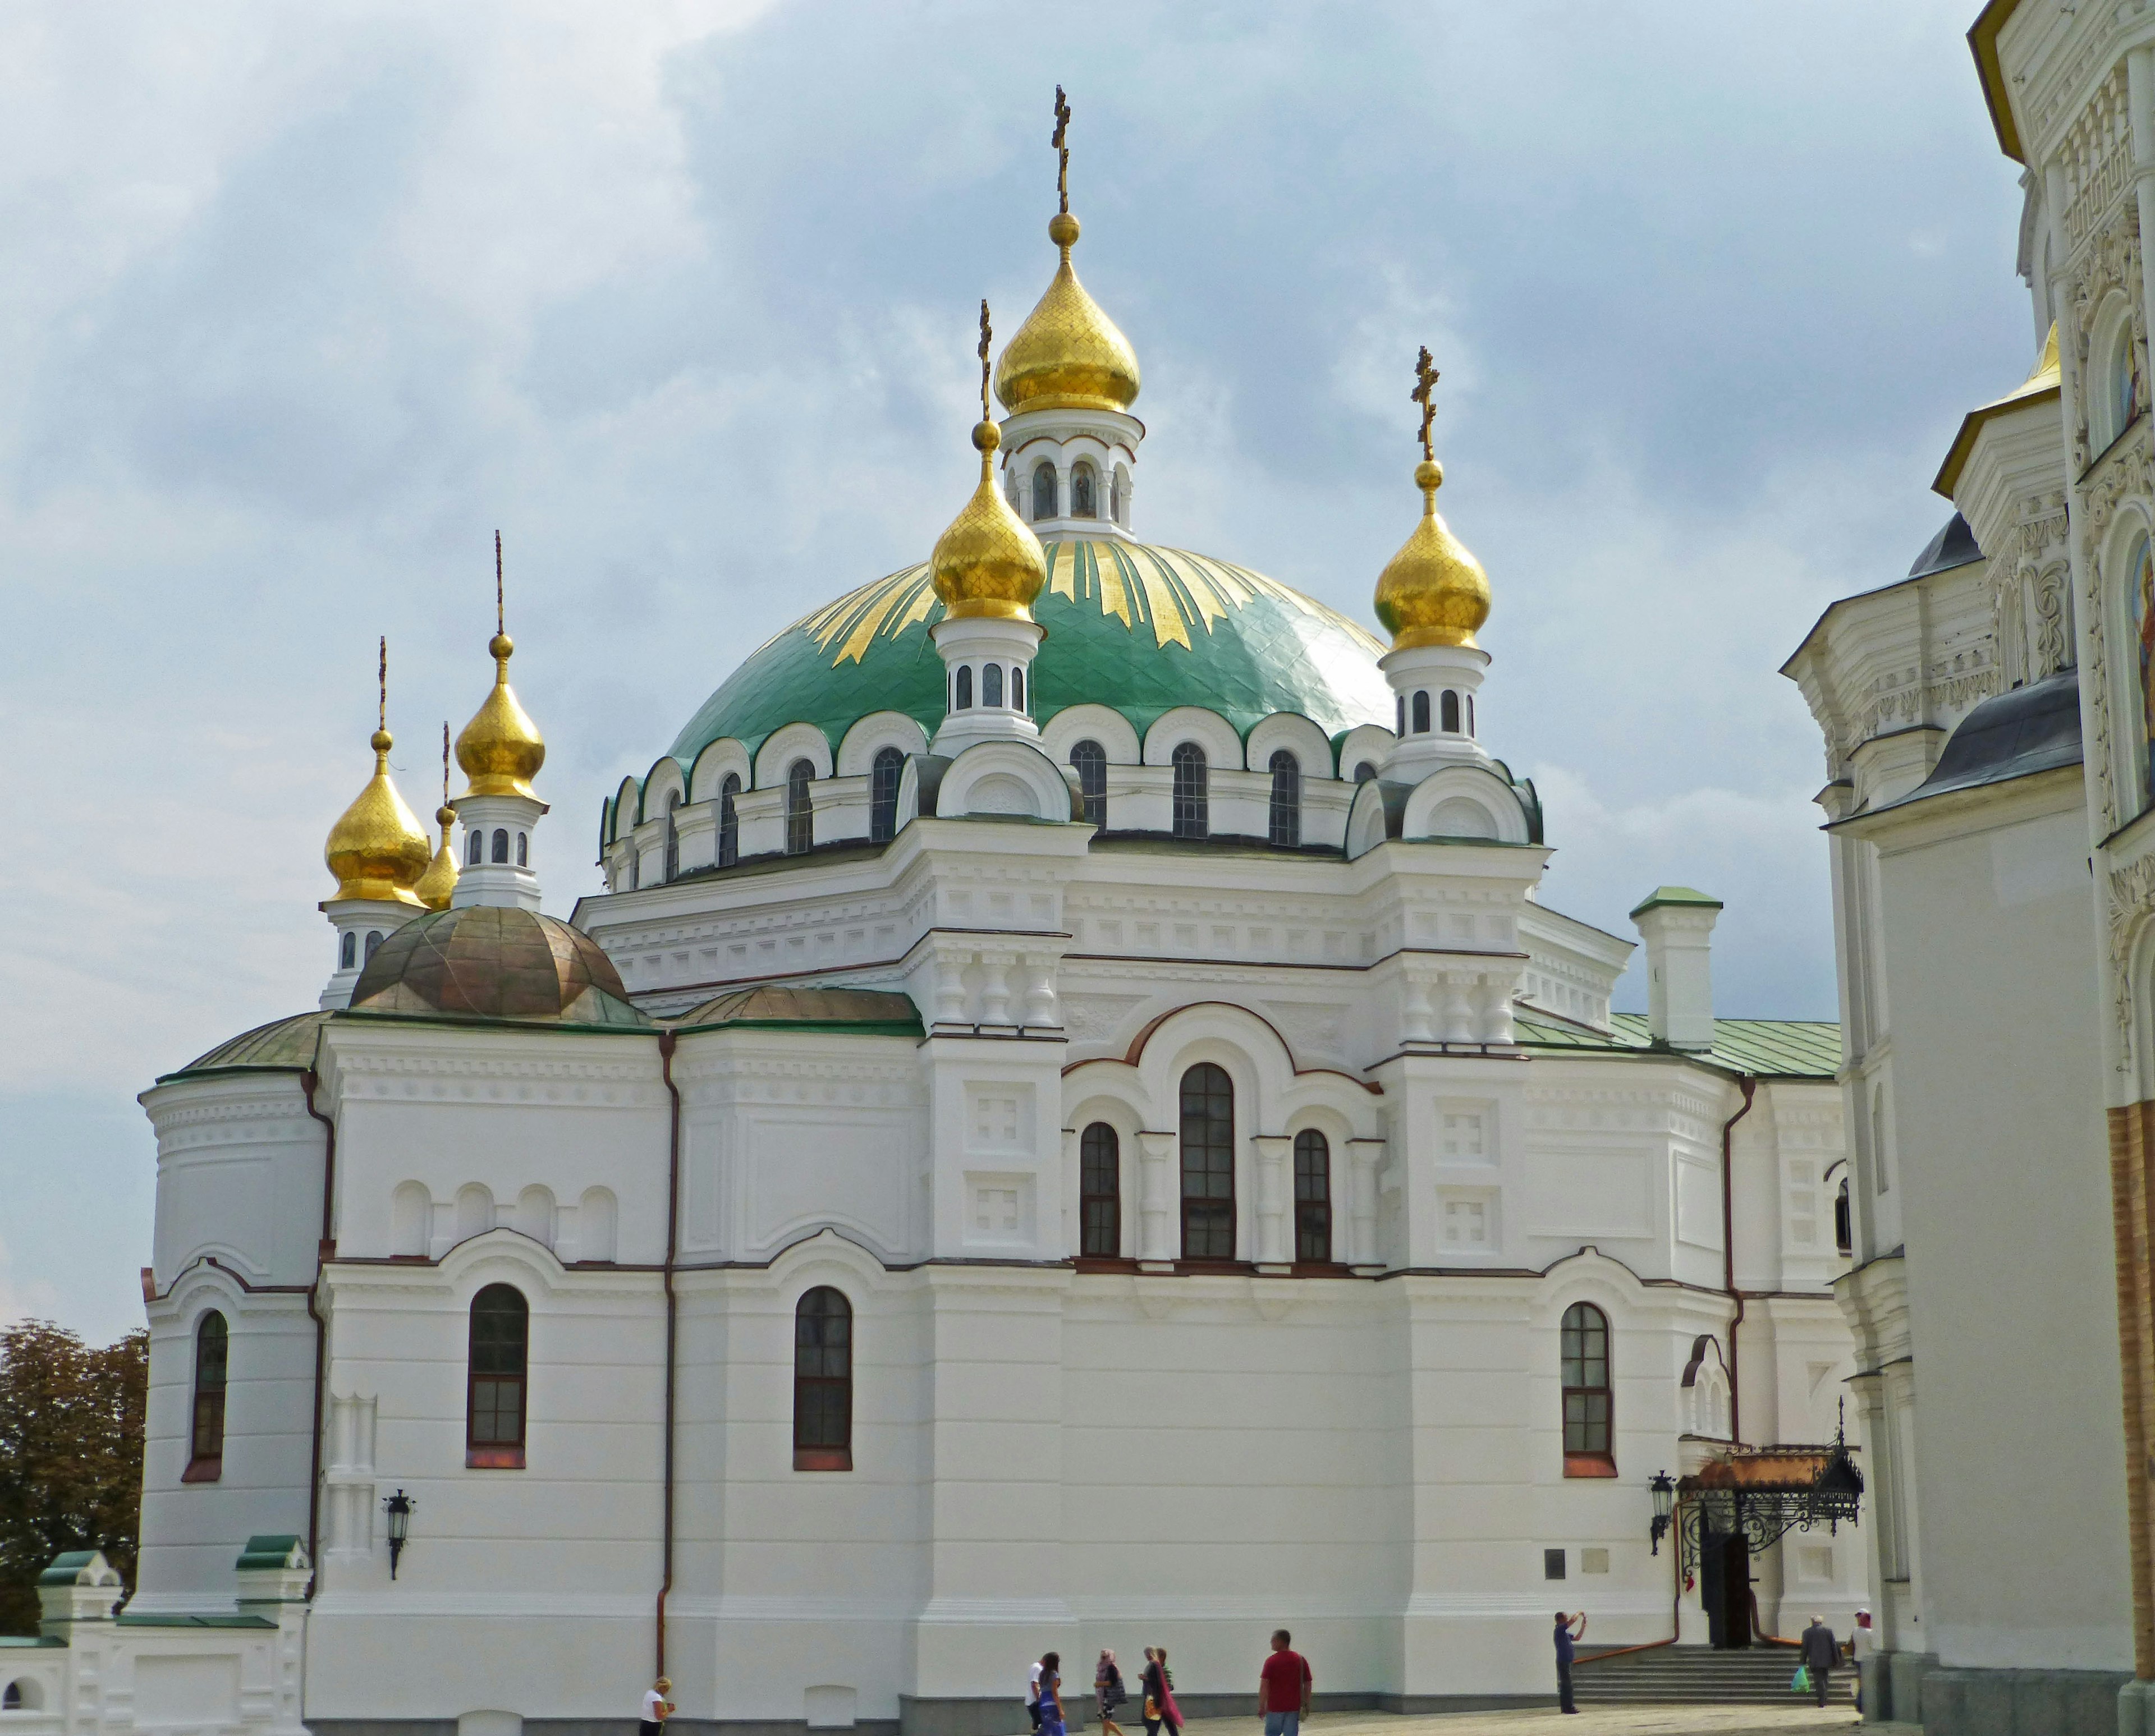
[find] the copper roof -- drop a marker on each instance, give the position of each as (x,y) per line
(774,1004)
(486,961)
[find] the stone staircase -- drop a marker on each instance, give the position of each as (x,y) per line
(1699,1676)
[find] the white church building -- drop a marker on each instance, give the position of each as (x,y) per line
(1069,1125)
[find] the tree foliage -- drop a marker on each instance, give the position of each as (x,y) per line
(70,1456)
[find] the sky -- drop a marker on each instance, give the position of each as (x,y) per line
(299,305)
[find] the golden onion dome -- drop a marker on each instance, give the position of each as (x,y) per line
(439,881)
(501,750)
(377,849)
(1068,355)
(1433,591)
(989,562)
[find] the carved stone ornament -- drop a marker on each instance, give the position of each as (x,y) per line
(2126,474)
(2131,901)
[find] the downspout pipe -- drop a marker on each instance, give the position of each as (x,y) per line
(1748,1085)
(666,1040)
(323,1248)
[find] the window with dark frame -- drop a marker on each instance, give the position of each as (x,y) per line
(961,686)
(800,809)
(1100,1192)
(1313,1199)
(1448,712)
(1587,1437)
(673,835)
(501,846)
(1422,713)
(1091,760)
(882,794)
(728,821)
(497,1364)
(1043,491)
(823,1382)
(475,849)
(348,949)
(1081,492)
(206,1438)
(991,686)
(1208,1163)
(1192,792)
(1017,686)
(1286,816)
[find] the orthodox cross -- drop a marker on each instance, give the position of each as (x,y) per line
(381,687)
(1424,394)
(498,626)
(445,762)
(987,332)
(1061,142)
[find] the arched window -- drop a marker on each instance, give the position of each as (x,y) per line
(497,1366)
(475,849)
(1100,1191)
(1192,803)
(1312,1197)
(1470,714)
(672,838)
(728,821)
(1447,712)
(348,950)
(19,1696)
(206,1440)
(823,1382)
(501,844)
(1081,492)
(800,809)
(1422,713)
(1208,1163)
(882,794)
(1115,494)
(1586,1433)
(1286,800)
(992,685)
(524,847)
(1843,1226)
(1365,772)
(961,699)
(1091,760)
(1399,706)
(373,943)
(1043,490)
(1017,686)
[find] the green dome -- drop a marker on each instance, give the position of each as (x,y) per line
(1139,629)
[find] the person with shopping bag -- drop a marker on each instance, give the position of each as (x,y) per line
(1821,1652)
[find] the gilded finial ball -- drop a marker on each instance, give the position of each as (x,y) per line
(986,435)
(499,646)
(444,815)
(381,741)
(1429,475)
(1062,229)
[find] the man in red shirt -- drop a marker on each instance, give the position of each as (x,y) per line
(1284,1687)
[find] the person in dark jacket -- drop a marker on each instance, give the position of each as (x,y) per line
(1567,1629)
(1821,1652)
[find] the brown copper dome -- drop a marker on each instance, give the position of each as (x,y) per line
(489,961)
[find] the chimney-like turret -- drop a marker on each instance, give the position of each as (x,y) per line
(1677,924)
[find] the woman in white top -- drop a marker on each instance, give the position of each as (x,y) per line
(657,1708)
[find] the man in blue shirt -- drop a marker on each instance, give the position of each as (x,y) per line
(1567,1629)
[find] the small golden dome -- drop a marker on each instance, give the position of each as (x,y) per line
(989,562)
(377,849)
(1068,355)
(440,879)
(501,750)
(1433,591)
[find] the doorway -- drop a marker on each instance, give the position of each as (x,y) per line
(1725,1589)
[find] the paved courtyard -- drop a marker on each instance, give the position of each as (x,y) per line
(1799,1718)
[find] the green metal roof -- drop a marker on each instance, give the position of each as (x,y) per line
(283,1045)
(1774,1048)
(1134,627)
(775,1006)
(1676,895)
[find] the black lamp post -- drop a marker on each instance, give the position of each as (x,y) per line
(398,1507)
(1663,1488)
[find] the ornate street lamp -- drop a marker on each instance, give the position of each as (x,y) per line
(398,1507)
(1663,1488)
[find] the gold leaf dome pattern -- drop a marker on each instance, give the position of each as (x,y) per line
(1433,591)
(1068,355)
(988,562)
(439,881)
(501,750)
(376,850)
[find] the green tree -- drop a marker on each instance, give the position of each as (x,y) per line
(70,1456)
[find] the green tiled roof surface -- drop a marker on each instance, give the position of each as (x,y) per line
(287,1043)
(1129,626)
(1781,1048)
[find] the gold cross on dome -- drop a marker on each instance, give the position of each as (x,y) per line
(1424,394)
(987,333)
(381,687)
(1061,142)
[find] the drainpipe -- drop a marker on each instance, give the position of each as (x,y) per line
(1748,1085)
(672,1236)
(324,1248)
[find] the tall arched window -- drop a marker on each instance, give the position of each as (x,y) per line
(882,794)
(728,821)
(1470,714)
(1447,712)
(1091,760)
(1017,686)
(1286,800)
(1587,1450)
(1082,493)
(823,1382)
(524,848)
(1312,1197)
(1844,1223)
(1400,710)
(1192,793)
(992,685)
(1043,490)
(672,837)
(373,943)
(1100,1191)
(206,1441)
(475,849)
(1115,494)
(348,950)
(800,809)
(501,844)
(1208,1163)
(961,688)
(1422,713)
(498,1366)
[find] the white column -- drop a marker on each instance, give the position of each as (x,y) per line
(1275,1179)
(1156,1239)
(1364,1158)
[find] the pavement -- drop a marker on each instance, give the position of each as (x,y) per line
(1801,1719)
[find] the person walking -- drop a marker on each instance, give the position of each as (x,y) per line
(657,1708)
(1284,1687)
(1108,1687)
(1862,1646)
(1051,1695)
(1159,1694)
(1032,1692)
(1569,1628)
(1821,1652)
